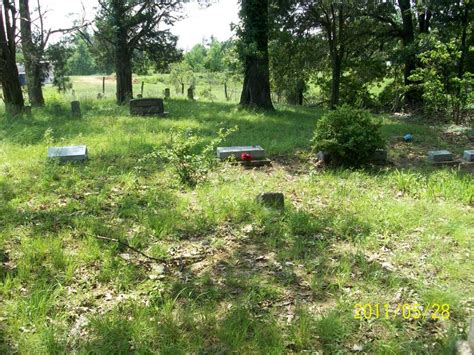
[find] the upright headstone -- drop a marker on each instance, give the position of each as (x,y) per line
(191,93)
(147,107)
(469,155)
(65,154)
(167,93)
(440,156)
(76,108)
(256,152)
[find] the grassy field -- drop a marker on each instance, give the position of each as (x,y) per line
(235,276)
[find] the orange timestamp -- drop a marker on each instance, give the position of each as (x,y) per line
(407,311)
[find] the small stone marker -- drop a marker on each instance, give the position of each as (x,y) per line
(167,93)
(256,151)
(440,156)
(469,155)
(147,107)
(76,108)
(65,154)
(272,199)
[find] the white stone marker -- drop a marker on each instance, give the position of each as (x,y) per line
(255,151)
(469,155)
(439,156)
(64,154)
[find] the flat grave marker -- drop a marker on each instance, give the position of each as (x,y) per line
(256,152)
(248,156)
(65,154)
(440,156)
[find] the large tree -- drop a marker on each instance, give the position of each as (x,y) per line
(32,55)
(34,43)
(12,95)
(254,53)
(127,26)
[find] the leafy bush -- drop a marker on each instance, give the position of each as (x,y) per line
(349,136)
(190,163)
(444,90)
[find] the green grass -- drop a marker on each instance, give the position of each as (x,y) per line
(239,277)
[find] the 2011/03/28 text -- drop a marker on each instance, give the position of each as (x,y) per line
(433,311)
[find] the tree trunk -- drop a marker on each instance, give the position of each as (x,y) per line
(463,47)
(182,88)
(335,32)
(32,56)
(225,91)
(413,95)
(256,88)
(300,91)
(123,69)
(9,79)
(336,82)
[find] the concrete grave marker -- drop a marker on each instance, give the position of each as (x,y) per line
(440,156)
(469,156)
(147,107)
(65,154)
(256,151)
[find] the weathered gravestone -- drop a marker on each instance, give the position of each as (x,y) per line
(65,154)
(469,155)
(76,108)
(167,93)
(147,107)
(272,199)
(440,156)
(256,152)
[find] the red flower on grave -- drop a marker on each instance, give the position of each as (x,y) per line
(246,157)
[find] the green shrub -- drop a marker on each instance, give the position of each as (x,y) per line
(190,163)
(349,136)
